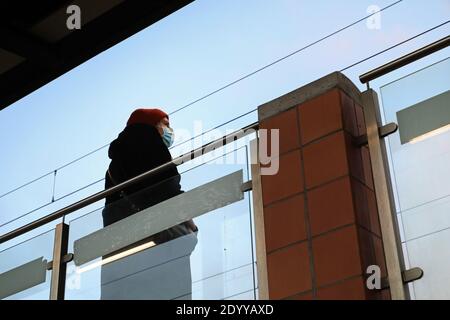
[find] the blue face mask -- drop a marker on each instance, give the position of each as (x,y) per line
(168,136)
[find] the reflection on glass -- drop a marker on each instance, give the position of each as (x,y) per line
(154,224)
(23,277)
(420,172)
(431,134)
(215,263)
(425,119)
(117,256)
(28,259)
(419,168)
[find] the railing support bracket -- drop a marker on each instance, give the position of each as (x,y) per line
(383,132)
(247,186)
(408,276)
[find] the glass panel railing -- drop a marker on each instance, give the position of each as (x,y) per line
(420,172)
(154,219)
(23,269)
(125,260)
(50,208)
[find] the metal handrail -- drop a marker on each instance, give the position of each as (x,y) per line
(404,60)
(103,194)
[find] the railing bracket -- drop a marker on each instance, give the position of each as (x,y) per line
(408,276)
(383,132)
(247,186)
(66,259)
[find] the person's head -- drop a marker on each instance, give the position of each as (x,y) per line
(154,117)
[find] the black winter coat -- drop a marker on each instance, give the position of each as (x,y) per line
(137,149)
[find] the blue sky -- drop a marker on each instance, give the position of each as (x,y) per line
(194,51)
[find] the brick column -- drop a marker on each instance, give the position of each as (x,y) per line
(321,222)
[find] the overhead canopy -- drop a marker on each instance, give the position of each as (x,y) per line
(36,46)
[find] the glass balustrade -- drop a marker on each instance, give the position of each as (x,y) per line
(419,156)
(134,258)
(23,269)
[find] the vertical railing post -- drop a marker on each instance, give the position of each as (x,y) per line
(258,213)
(58,282)
(54,185)
(384,196)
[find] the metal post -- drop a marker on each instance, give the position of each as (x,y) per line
(54,184)
(58,282)
(258,212)
(384,196)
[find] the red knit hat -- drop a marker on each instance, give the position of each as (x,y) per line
(147,116)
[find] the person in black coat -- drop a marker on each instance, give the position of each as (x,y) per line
(140,147)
